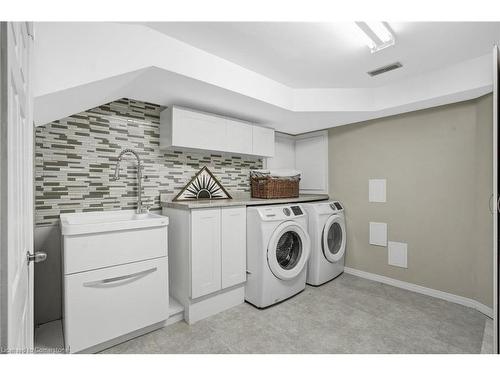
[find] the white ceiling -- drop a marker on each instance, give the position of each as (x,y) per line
(327,55)
(74,71)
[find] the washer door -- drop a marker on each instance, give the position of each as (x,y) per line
(288,250)
(334,238)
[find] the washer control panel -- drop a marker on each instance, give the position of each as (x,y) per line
(280,212)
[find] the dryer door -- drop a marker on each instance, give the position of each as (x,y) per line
(334,238)
(288,250)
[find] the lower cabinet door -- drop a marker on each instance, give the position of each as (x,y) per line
(234,242)
(205,251)
(104,304)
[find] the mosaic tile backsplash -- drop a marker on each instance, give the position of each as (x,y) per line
(75,159)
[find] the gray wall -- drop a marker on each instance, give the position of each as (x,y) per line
(438,166)
(48,276)
(74,163)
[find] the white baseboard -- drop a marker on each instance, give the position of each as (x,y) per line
(212,305)
(488,311)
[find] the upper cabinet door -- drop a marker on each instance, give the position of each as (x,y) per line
(198,130)
(205,251)
(238,137)
(263,141)
(311,158)
(234,245)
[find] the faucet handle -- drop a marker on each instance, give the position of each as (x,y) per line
(145,208)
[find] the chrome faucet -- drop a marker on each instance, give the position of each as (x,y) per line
(116,177)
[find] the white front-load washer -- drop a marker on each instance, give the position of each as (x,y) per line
(278,248)
(328,241)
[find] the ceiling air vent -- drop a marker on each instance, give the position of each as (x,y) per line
(385,69)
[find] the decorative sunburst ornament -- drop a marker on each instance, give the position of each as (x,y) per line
(203,185)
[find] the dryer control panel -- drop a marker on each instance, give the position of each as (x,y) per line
(336,206)
(328,208)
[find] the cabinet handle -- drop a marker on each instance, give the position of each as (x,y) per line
(119,278)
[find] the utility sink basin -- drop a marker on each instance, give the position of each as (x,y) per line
(106,221)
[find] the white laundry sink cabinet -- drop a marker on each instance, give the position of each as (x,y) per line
(115,277)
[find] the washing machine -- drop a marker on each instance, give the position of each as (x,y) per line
(326,225)
(278,248)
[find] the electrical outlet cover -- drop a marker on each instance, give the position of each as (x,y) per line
(398,254)
(378,234)
(377,190)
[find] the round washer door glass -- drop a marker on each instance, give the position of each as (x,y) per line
(334,238)
(288,250)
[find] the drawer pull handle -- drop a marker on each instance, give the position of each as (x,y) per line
(120,278)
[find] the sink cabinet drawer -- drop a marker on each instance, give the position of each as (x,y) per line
(104,304)
(85,252)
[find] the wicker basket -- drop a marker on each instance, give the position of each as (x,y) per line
(268,187)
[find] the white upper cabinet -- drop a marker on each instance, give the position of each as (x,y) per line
(311,158)
(189,129)
(263,141)
(284,152)
(239,137)
(197,130)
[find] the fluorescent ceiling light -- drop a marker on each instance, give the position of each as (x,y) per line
(381,31)
(376,35)
(368,41)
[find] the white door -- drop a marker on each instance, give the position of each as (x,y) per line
(496,68)
(16,186)
(234,245)
(205,251)
(311,158)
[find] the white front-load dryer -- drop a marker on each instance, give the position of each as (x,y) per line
(278,248)
(328,241)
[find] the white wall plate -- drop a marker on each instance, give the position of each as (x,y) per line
(378,234)
(398,254)
(377,190)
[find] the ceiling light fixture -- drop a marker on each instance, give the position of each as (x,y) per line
(377,35)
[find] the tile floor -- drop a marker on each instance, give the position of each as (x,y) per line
(347,315)
(49,338)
